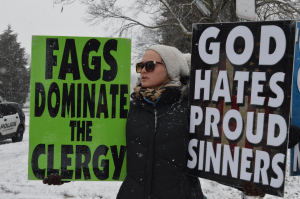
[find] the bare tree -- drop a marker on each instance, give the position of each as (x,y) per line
(180,13)
(172,19)
(277,9)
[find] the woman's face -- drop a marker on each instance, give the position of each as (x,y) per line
(157,77)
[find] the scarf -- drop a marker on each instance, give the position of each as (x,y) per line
(151,94)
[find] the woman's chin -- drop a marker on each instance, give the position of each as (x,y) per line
(145,85)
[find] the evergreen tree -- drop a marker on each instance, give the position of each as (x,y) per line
(14,76)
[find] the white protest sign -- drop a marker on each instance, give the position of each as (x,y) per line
(245,9)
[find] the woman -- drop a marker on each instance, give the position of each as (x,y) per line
(157,131)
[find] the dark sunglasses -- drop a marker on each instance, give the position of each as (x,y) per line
(149,66)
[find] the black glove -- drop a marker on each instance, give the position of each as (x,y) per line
(54,179)
(294,136)
(251,190)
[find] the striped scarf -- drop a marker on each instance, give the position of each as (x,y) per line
(151,94)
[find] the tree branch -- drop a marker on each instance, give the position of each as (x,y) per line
(262,3)
(179,24)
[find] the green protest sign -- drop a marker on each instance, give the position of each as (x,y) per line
(78,107)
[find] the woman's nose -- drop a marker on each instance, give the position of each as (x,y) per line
(144,70)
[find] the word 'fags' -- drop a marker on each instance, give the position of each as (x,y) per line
(83,158)
(72,67)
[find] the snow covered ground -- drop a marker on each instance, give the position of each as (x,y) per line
(14,183)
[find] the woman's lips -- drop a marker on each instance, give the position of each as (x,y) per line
(144,78)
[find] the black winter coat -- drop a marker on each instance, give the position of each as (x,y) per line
(157,143)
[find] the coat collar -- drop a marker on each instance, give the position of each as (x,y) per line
(169,96)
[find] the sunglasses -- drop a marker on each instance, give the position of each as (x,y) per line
(149,66)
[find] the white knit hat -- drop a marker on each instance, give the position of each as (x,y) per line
(177,63)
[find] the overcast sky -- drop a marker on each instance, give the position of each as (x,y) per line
(42,17)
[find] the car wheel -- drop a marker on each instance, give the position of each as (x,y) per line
(19,136)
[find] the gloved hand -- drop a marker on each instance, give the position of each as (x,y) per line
(54,179)
(294,136)
(251,190)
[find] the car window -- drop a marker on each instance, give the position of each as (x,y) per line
(4,109)
(1,110)
(7,110)
(12,110)
(18,107)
